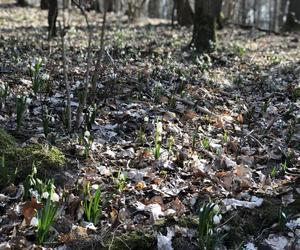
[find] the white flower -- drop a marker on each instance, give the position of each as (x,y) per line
(159,127)
(216,208)
(217,219)
(87,134)
(95,186)
(159,138)
(54,197)
(34,221)
(146,119)
(157,84)
(45,77)
(45,195)
(28,100)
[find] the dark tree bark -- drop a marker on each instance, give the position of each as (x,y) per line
(219,14)
(22,3)
(44,4)
(185,15)
(293,16)
(52,16)
(204,34)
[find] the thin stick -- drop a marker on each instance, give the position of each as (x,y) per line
(82,105)
(69,111)
(99,59)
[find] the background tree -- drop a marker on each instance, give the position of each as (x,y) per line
(184,12)
(22,3)
(204,34)
(293,16)
(219,14)
(52,16)
(44,4)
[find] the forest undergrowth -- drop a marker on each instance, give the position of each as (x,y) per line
(179,151)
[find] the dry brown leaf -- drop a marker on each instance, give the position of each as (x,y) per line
(240,118)
(157,181)
(164,99)
(29,209)
(73,205)
(140,185)
(189,115)
(178,206)
(219,123)
(114,215)
(155,199)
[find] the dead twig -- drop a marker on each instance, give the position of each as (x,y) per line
(65,74)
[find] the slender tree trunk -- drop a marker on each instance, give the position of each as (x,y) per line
(98,67)
(22,3)
(219,14)
(52,16)
(204,34)
(44,4)
(65,74)
(293,16)
(184,11)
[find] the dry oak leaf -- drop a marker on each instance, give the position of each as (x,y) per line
(178,206)
(189,115)
(240,118)
(29,209)
(140,185)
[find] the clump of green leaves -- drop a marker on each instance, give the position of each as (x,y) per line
(87,141)
(141,136)
(45,191)
(225,137)
(92,204)
(4,93)
(205,143)
(204,62)
(282,219)
(21,104)
(209,218)
(284,166)
(90,116)
(239,49)
(273,172)
(157,91)
(195,138)
(120,181)
(237,80)
(171,142)
(38,78)
(45,219)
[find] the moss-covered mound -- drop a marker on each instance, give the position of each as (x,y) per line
(19,160)
(7,142)
(136,240)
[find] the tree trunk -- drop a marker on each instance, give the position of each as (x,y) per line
(184,11)
(293,16)
(44,4)
(52,16)
(204,34)
(219,14)
(22,3)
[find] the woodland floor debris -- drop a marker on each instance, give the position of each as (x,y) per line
(230,134)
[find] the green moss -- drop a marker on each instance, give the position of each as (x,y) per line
(135,240)
(8,143)
(46,159)
(18,161)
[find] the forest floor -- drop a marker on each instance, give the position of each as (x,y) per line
(227,129)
